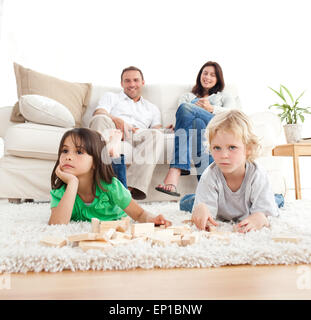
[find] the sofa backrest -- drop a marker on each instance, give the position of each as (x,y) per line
(164,96)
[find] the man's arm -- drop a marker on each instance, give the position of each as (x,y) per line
(119,123)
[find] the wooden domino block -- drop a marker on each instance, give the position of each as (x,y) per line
(176,239)
(106,225)
(160,242)
(54,241)
(122,226)
(190,222)
(99,245)
(189,239)
(82,237)
(286,238)
(105,236)
(164,232)
(180,230)
(139,229)
(121,235)
(95,225)
(127,221)
(117,242)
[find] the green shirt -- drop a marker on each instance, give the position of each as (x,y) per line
(105,206)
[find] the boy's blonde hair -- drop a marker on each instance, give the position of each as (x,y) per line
(238,123)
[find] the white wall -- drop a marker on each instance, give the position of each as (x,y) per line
(258,43)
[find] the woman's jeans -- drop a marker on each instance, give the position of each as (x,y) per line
(191,122)
(119,168)
(186,202)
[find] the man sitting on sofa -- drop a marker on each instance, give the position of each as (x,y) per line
(131,113)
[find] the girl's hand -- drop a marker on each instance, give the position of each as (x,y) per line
(160,220)
(202,218)
(205,104)
(64,176)
(255,221)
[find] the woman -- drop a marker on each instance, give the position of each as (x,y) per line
(195,111)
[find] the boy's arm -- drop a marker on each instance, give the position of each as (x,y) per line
(255,221)
(202,217)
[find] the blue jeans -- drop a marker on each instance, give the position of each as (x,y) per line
(191,122)
(186,202)
(119,168)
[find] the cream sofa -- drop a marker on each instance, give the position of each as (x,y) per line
(30,149)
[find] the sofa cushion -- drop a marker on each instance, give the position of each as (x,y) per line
(40,109)
(75,96)
(37,141)
(31,140)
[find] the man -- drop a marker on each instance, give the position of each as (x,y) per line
(129,112)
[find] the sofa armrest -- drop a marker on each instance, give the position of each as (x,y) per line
(5,123)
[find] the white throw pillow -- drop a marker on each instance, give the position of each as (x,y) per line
(40,109)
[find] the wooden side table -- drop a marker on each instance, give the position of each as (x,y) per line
(294,150)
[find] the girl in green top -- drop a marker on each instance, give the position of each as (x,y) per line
(84,185)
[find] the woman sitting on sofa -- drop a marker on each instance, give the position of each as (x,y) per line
(195,111)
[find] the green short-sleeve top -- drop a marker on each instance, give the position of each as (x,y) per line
(106,206)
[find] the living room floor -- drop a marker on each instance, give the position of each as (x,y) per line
(224,283)
(229,282)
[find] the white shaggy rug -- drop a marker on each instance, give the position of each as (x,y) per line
(23,226)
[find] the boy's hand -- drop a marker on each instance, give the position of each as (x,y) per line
(65,176)
(160,220)
(202,218)
(255,221)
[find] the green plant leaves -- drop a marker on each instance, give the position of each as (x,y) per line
(290,95)
(290,110)
(279,94)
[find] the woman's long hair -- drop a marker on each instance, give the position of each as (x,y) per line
(198,89)
(93,144)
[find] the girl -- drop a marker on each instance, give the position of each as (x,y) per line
(84,185)
(234,187)
(196,109)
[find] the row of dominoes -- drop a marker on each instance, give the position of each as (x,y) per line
(106,234)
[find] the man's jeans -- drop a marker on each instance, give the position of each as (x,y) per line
(186,202)
(191,122)
(119,168)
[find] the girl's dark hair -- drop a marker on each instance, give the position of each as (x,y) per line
(199,91)
(94,145)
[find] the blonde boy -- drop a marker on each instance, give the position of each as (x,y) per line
(234,187)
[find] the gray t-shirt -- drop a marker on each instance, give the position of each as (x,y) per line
(254,194)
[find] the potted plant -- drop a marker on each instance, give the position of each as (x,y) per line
(291,114)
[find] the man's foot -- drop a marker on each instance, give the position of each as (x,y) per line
(114,143)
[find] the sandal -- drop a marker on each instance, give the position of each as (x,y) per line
(171,193)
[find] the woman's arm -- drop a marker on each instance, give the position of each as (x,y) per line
(186,98)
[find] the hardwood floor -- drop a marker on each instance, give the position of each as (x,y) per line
(230,282)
